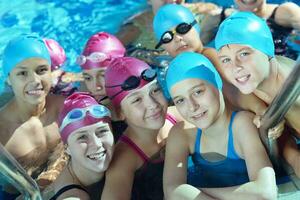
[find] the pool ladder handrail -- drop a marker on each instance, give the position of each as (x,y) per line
(17,176)
(277,110)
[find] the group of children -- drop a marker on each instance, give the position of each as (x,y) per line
(123,140)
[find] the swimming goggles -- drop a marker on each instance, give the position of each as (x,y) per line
(96,111)
(168,36)
(95,57)
(132,82)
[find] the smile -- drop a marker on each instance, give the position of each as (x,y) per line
(97,156)
(243,79)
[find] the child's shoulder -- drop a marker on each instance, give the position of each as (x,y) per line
(182,132)
(243,121)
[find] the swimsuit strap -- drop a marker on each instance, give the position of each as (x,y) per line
(134,147)
(66,188)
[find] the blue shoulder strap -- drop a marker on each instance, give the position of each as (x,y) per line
(197,142)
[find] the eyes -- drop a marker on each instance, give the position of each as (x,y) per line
(41,70)
(99,76)
(195,93)
(99,133)
(154,92)
(242,55)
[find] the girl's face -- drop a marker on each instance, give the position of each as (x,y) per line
(31,80)
(182,43)
(244,67)
(91,146)
(249,5)
(145,107)
(197,101)
(95,82)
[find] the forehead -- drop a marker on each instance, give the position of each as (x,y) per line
(186,85)
(142,90)
(233,48)
(31,63)
(86,130)
(94,71)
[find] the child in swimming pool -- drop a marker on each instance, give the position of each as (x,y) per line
(28,121)
(229,160)
(63,83)
(85,130)
(177,32)
(137,166)
(100,50)
(246,51)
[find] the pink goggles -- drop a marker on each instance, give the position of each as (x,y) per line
(95,57)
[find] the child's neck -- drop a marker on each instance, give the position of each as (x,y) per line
(274,81)
(26,110)
(220,124)
(143,134)
(84,176)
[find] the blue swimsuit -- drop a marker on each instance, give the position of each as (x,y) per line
(229,172)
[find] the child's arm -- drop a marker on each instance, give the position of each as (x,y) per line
(175,168)
(120,174)
(288,15)
(247,143)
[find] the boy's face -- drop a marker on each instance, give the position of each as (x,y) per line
(244,67)
(189,41)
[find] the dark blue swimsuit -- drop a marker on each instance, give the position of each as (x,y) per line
(229,172)
(280,35)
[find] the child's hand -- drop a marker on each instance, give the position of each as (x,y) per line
(273,133)
(276,132)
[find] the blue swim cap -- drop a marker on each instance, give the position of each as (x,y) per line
(245,28)
(22,48)
(169,16)
(192,65)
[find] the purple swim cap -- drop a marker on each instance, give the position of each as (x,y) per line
(119,71)
(100,50)
(57,53)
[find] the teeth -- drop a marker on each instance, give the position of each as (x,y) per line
(200,115)
(96,156)
(243,78)
(35,92)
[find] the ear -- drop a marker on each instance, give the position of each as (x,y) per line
(67,149)
(120,114)
(8,81)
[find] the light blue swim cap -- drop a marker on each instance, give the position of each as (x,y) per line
(189,65)
(169,16)
(245,28)
(22,48)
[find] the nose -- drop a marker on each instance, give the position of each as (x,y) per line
(193,105)
(238,65)
(177,37)
(95,141)
(35,78)
(98,84)
(151,103)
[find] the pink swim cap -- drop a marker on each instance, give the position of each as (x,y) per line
(90,112)
(57,53)
(120,70)
(104,43)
